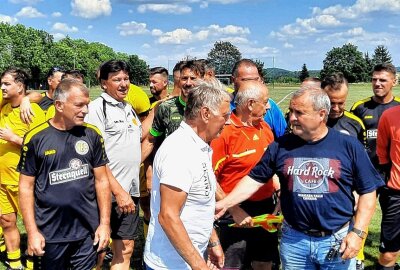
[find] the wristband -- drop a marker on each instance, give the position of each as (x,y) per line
(360,233)
(213,244)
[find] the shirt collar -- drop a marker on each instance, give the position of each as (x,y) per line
(111,100)
(203,146)
(181,101)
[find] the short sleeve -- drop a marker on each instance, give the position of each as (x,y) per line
(265,168)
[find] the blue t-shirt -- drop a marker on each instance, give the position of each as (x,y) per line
(274,117)
(318,178)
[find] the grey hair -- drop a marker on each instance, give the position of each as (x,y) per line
(64,88)
(208,94)
(318,97)
(243,96)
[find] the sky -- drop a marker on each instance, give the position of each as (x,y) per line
(283,34)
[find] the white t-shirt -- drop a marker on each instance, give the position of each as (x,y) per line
(122,131)
(183,161)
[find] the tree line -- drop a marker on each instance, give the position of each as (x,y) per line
(36,51)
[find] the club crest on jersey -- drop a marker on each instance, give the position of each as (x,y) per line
(76,171)
(81,147)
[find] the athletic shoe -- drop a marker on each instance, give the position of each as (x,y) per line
(19,268)
(109,255)
(359,265)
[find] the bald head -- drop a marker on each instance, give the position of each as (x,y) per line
(250,90)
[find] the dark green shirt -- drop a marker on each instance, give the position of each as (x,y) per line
(168,117)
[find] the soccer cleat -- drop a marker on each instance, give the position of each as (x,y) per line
(359,265)
(19,268)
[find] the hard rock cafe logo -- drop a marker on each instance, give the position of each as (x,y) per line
(310,174)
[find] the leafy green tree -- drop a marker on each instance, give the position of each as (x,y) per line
(368,61)
(36,51)
(381,55)
(223,57)
(304,73)
(139,70)
(348,60)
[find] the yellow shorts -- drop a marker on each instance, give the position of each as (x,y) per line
(9,199)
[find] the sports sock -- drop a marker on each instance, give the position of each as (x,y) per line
(14,258)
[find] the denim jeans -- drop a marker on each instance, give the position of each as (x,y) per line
(301,251)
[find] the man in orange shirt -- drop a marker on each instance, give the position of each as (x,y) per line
(387,150)
(240,146)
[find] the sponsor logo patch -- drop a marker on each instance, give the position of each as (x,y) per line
(372,134)
(50,152)
(76,171)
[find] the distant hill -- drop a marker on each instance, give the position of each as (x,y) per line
(279,72)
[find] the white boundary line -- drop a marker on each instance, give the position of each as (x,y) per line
(284,97)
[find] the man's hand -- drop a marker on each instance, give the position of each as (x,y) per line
(8,135)
(220,209)
(36,243)
(350,246)
(125,202)
(102,237)
(26,111)
(216,258)
(241,218)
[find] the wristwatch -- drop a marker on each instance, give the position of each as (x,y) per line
(359,233)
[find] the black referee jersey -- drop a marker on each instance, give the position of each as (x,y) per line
(369,111)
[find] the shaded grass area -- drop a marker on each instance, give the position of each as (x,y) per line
(280,94)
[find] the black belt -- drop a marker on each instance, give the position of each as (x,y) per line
(317,233)
(323,233)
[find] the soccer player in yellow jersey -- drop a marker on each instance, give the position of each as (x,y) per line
(12,130)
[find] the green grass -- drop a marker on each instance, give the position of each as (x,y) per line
(278,93)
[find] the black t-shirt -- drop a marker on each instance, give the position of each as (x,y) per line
(369,112)
(349,124)
(46,102)
(62,163)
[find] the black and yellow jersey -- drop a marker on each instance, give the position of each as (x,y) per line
(46,102)
(63,162)
(349,124)
(369,111)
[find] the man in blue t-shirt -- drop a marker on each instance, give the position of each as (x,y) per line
(247,70)
(318,168)
(65,196)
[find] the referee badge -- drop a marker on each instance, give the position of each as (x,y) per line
(81,147)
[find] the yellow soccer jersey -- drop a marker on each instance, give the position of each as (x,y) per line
(138,99)
(9,152)
(51,111)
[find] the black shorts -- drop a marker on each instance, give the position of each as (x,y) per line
(244,245)
(124,226)
(389,200)
(70,255)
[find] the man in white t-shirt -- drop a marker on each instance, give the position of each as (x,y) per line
(181,234)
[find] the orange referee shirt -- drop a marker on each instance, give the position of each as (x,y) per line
(237,150)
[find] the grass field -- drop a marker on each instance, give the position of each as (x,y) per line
(280,94)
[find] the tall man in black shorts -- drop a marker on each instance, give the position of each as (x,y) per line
(64,190)
(122,131)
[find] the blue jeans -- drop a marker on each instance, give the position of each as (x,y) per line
(301,251)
